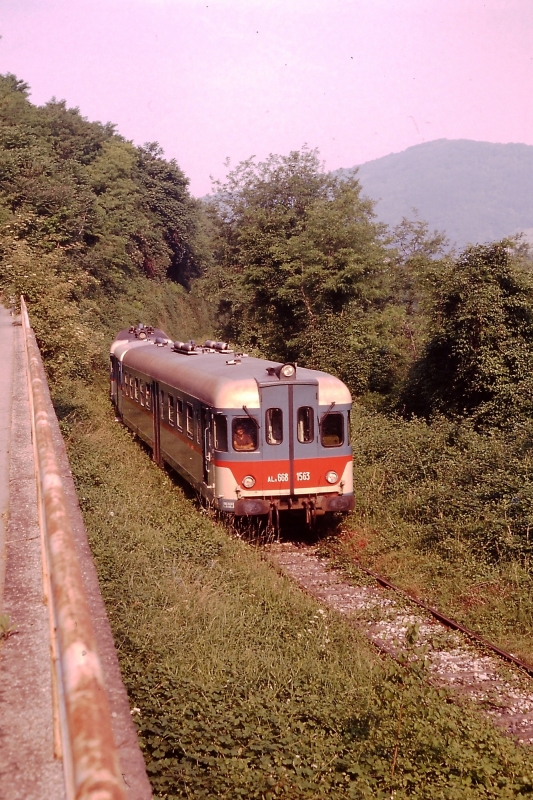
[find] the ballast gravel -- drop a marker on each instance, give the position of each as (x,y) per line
(454,662)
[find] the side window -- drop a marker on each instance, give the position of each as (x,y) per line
(180,413)
(220,427)
(126,384)
(162,404)
(142,392)
(171,418)
(305,425)
(244,432)
(332,430)
(274,426)
(137,389)
(190,421)
(349,429)
(148,396)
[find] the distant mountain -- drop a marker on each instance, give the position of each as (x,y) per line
(475,191)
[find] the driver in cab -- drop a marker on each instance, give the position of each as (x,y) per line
(244,436)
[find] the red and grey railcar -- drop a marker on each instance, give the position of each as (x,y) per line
(252,436)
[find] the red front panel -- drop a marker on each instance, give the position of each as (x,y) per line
(273,476)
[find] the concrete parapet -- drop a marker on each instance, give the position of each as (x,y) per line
(29,766)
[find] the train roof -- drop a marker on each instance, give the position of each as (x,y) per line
(220,378)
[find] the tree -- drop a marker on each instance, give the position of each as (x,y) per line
(293,245)
(170,210)
(418,254)
(85,218)
(478,362)
(414,240)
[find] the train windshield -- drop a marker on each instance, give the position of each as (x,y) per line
(274,425)
(332,430)
(305,425)
(244,432)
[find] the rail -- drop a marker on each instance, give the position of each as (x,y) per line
(88,751)
(447,621)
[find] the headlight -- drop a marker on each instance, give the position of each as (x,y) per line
(248,482)
(288,370)
(332,476)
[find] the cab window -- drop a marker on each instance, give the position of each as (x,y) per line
(305,425)
(220,427)
(274,425)
(332,430)
(244,434)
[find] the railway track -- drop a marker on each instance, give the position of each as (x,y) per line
(448,622)
(457,658)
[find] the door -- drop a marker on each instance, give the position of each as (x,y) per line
(277,439)
(305,433)
(156,411)
(114,374)
(120,389)
(207,448)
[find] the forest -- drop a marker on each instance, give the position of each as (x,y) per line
(289,262)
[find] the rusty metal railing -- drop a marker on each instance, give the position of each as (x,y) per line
(88,751)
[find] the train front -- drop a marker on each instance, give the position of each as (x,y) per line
(290,452)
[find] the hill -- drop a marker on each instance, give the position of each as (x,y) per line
(475,191)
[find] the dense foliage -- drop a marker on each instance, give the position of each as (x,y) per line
(294,244)
(303,273)
(86,219)
(478,361)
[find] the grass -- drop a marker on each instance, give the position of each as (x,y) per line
(244,686)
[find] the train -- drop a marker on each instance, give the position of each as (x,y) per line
(256,438)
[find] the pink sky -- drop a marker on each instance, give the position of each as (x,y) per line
(213,79)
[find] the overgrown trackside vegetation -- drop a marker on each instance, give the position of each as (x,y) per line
(241,686)
(446,508)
